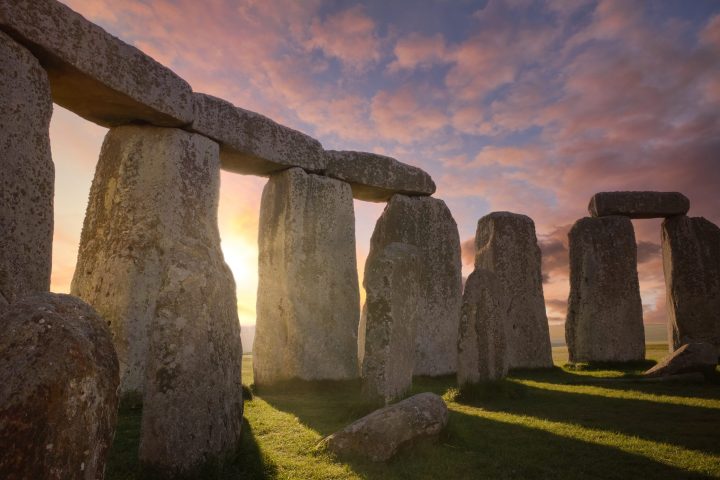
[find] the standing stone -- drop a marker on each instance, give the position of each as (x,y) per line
(506,245)
(308,303)
(428,224)
(58,389)
(691,262)
(386,335)
(482,350)
(604,318)
(150,261)
(27,174)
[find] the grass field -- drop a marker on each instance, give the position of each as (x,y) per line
(550,424)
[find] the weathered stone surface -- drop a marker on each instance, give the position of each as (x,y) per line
(308,296)
(693,357)
(428,224)
(251,143)
(386,335)
(482,346)
(604,318)
(150,259)
(505,243)
(639,204)
(376,178)
(58,389)
(381,434)
(94,74)
(27,174)
(691,262)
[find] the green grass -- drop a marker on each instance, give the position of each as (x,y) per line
(559,423)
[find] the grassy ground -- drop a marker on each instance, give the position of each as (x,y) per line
(551,424)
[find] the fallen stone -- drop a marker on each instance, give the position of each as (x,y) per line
(386,335)
(505,244)
(308,303)
(427,223)
(639,204)
(691,262)
(251,143)
(482,350)
(150,260)
(604,318)
(27,174)
(376,178)
(58,389)
(381,434)
(94,74)
(696,357)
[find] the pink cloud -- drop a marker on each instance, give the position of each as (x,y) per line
(418,51)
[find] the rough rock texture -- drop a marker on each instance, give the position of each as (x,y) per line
(381,434)
(386,335)
(427,223)
(604,318)
(27,174)
(58,390)
(308,303)
(94,74)
(691,261)
(251,143)
(482,349)
(150,261)
(505,243)
(376,178)
(639,204)
(698,357)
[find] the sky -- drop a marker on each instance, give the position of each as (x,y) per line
(527,106)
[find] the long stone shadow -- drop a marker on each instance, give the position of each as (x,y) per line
(692,427)
(477,447)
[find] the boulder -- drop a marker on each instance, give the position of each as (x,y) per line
(482,349)
(505,244)
(381,434)
(376,178)
(308,303)
(604,318)
(691,262)
(639,204)
(94,74)
(427,223)
(58,389)
(696,357)
(386,335)
(251,143)
(27,174)
(150,261)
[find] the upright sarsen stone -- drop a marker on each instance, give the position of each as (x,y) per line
(27,174)
(150,262)
(505,243)
(308,303)
(58,389)
(482,344)
(691,262)
(428,224)
(604,319)
(386,335)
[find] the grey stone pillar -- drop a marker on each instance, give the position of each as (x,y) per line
(427,223)
(308,304)
(507,246)
(691,261)
(604,318)
(27,174)
(150,263)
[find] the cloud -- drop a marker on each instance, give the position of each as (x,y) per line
(419,51)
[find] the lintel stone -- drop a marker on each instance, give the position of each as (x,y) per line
(94,74)
(639,204)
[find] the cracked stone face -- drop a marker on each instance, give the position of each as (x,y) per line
(27,174)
